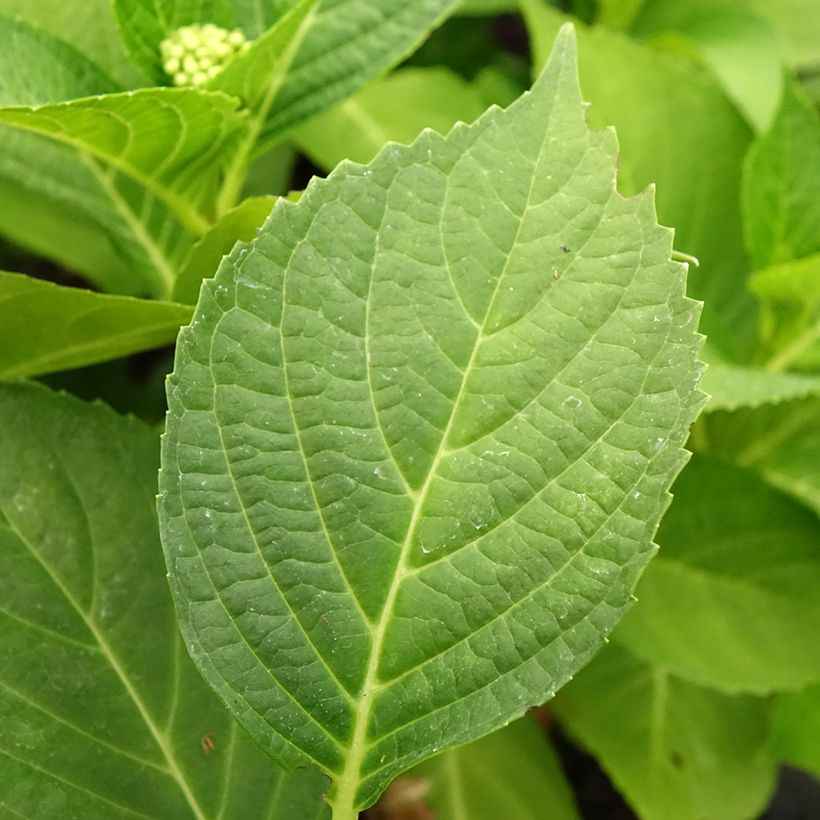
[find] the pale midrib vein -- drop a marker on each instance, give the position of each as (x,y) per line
(156,733)
(80,731)
(193,221)
(349,782)
(160,260)
(73,785)
(525,599)
(87,647)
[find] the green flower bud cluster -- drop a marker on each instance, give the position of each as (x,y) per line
(192,55)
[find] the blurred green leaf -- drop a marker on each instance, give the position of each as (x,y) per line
(731,600)
(796,729)
(675,750)
(510,773)
(790,294)
(677,129)
(781,209)
(798,26)
(396,108)
(781,442)
(238,224)
(104,715)
(89,26)
(45,327)
(739,47)
(731,387)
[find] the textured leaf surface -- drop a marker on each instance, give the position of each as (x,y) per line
(675,750)
(63,203)
(510,773)
(395,108)
(103,713)
(781,209)
(169,140)
(45,327)
(731,599)
(796,729)
(731,387)
(238,224)
(421,433)
(698,172)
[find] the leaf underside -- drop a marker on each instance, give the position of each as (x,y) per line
(421,433)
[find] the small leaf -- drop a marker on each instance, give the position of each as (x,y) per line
(781,209)
(675,750)
(791,312)
(731,387)
(169,140)
(104,716)
(238,225)
(781,442)
(731,599)
(395,108)
(61,202)
(510,773)
(45,327)
(421,433)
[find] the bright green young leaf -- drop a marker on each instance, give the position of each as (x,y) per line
(64,204)
(421,433)
(169,140)
(781,209)
(89,26)
(731,600)
(731,387)
(798,26)
(104,716)
(676,129)
(349,42)
(796,729)
(781,442)
(618,14)
(510,773)
(790,294)
(45,327)
(238,225)
(739,47)
(676,751)
(144,24)
(394,108)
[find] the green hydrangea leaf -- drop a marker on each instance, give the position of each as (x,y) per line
(45,327)
(421,433)
(731,599)
(796,729)
(171,141)
(781,212)
(104,715)
(673,749)
(731,387)
(511,773)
